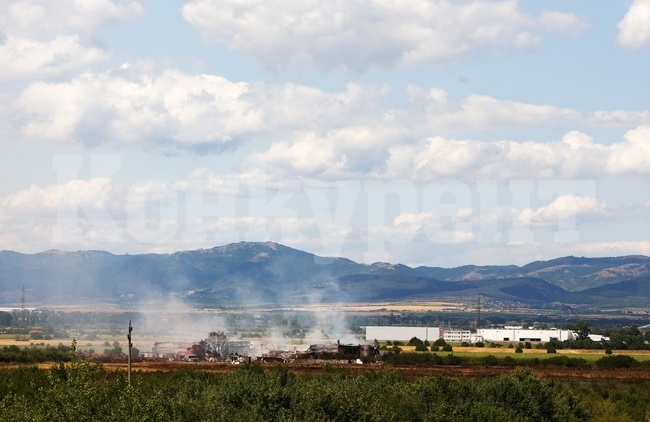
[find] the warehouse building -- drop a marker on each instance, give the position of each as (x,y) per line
(523,334)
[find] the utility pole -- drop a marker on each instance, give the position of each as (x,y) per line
(129,357)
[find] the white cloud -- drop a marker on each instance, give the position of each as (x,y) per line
(353,150)
(22,58)
(564,207)
(45,39)
(201,112)
(480,112)
(44,18)
(167,108)
(361,35)
(634,28)
(575,156)
(632,155)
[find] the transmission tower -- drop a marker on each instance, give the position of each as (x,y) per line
(478,313)
(23,312)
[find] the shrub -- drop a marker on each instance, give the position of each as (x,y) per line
(414,341)
(528,345)
(550,349)
(452,359)
(565,361)
(420,347)
(440,342)
(509,361)
(481,344)
(447,348)
(422,359)
(608,351)
(519,349)
(490,360)
(616,361)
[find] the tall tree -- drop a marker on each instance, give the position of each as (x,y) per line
(582,330)
(215,343)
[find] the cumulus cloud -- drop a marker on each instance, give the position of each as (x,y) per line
(632,155)
(203,112)
(26,59)
(481,111)
(355,36)
(564,207)
(575,156)
(353,150)
(45,39)
(167,108)
(634,28)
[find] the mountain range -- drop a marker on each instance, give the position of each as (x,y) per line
(273,274)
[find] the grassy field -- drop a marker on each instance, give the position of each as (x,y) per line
(589,355)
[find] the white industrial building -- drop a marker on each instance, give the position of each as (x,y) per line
(401,333)
(506,334)
(522,334)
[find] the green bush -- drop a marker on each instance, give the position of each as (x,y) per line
(490,360)
(414,341)
(617,361)
(563,360)
(420,347)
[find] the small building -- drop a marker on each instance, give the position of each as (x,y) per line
(457,336)
(349,349)
(167,349)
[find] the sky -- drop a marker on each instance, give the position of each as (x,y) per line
(422,132)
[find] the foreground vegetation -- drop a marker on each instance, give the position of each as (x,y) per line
(85,391)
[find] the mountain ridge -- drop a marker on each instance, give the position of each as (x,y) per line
(268,272)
